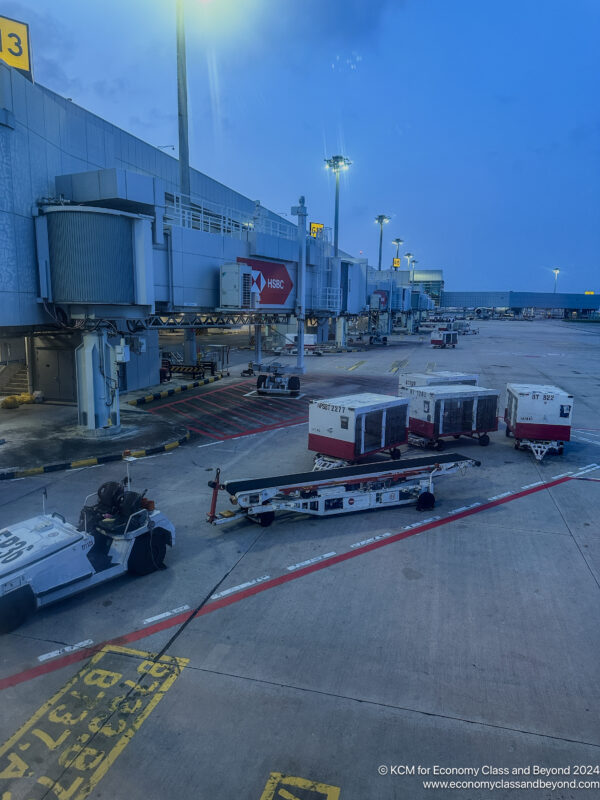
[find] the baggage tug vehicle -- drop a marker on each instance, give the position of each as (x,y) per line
(45,559)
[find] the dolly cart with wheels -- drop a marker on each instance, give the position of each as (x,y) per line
(45,559)
(273,380)
(335,491)
(443,339)
(539,418)
(449,412)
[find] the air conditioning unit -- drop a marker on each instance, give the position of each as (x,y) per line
(236,286)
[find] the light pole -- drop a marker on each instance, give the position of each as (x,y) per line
(413,262)
(397,242)
(337,164)
(408,257)
(182,108)
(555,271)
(381,220)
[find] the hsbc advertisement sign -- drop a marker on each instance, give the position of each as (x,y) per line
(273,281)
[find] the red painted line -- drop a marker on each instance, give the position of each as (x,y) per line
(214,435)
(223,602)
(227,412)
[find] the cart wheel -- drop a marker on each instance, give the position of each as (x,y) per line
(260,382)
(15,607)
(148,552)
(395,453)
(266,519)
(456,435)
(560,450)
(517,445)
(440,444)
(294,383)
(425,501)
(484,440)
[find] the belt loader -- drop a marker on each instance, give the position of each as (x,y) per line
(335,491)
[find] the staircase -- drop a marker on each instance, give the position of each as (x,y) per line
(18,384)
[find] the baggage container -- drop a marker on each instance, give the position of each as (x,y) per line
(438,378)
(352,426)
(538,413)
(451,411)
(441,338)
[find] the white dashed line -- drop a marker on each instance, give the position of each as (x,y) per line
(63,650)
(500,496)
(531,485)
(166,614)
(310,561)
(562,475)
(210,444)
(369,541)
(240,587)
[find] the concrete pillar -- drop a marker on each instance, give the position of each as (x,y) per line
(189,346)
(340,331)
(322,331)
(97,383)
(30,361)
(258,343)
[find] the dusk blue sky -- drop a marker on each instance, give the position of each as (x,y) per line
(474,124)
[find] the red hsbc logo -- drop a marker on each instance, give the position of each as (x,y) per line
(270,280)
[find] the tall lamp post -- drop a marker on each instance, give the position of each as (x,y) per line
(182,108)
(337,164)
(408,257)
(381,220)
(555,271)
(412,264)
(397,242)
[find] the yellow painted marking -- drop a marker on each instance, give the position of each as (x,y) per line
(33,471)
(177,389)
(75,737)
(404,362)
(394,368)
(171,445)
(138,453)
(278,785)
(356,366)
(149,398)
(84,462)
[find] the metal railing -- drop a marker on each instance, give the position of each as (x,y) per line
(327,299)
(214,218)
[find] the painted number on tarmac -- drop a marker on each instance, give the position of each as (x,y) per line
(69,744)
(288,787)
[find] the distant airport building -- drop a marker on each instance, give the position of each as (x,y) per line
(583,304)
(431,281)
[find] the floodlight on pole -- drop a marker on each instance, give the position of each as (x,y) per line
(381,220)
(556,272)
(337,164)
(412,263)
(397,242)
(182,107)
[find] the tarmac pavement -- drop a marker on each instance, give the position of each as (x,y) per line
(468,643)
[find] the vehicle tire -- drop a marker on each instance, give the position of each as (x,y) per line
(560,450)
(148,552)
(484,440)
(440,444)
(456,435)
(266,519)
(507,432)
(395,453)
(15,607)
(425,501)
(517,445)
(260,382)
(294,383)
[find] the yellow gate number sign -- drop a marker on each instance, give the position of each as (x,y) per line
(14,45)
(397,262)
(316,228)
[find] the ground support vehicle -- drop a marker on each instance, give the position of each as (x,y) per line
(272,380)
(538,417)
(45,559)
(451,411)
(443,339)
(335,491)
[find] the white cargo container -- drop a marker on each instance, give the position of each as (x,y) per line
(538,416)
(444,338)
(440,377)
(352,426)
(451,411)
